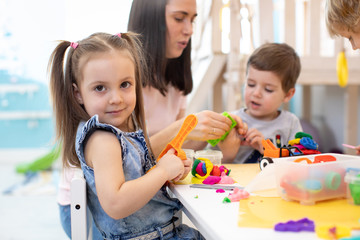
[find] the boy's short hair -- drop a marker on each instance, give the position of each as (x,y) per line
(341,14)
(279,58)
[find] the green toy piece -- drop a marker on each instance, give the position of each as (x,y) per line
(302,134)
(355,191)
(213,142)
(41,163)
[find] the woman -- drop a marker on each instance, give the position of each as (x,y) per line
(166,27)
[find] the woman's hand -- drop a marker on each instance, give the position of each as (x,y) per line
(211,125)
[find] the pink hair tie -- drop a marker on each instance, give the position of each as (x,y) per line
(119,35)
(74,45)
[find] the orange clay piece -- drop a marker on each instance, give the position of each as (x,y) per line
(187,126)
(270,150)
(308,161)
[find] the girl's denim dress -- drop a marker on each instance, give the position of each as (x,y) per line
(137,159)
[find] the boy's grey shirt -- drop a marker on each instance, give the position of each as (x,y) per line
(285,126)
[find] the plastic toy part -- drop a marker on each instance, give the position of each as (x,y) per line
(294,141)
(332,180)
(332,232)
(177,142)
(41,163)
(272,151)
(342,69)
(265,161)
(303,224)
(302,134)
(187,126)
(324,158)
(309,143)
(355,190)
(213,142)
(308,161)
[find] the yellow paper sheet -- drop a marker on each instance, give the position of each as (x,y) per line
(265,212)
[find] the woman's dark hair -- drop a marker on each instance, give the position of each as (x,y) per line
(147,17)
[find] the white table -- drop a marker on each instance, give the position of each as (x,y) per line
(217,220)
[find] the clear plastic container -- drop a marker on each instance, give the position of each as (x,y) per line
(190,153)
(214,156)
(352,180)
(310,183)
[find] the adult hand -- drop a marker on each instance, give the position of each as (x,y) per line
(211,125)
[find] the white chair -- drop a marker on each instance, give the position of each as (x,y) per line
(79,208)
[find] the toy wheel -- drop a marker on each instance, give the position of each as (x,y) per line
(265,161)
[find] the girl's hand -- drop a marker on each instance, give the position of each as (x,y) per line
(254,138)
(172,165)
(187,167)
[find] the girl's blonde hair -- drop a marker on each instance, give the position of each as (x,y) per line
(63,74)
(342,15)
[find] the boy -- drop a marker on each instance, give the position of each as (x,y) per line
(272,71)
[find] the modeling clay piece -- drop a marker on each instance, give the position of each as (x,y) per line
(213,142)
(226,179)
(238,194)
(226,200)
(202,168)
(211,180)
(303,224)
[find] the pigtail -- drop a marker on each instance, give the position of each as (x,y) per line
(65,107)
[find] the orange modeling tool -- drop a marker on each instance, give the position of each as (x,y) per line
(187,126)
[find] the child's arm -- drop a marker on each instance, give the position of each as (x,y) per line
(120,198)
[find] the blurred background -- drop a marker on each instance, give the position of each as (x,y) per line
(226,32)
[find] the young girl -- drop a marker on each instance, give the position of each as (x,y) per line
(98,106)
